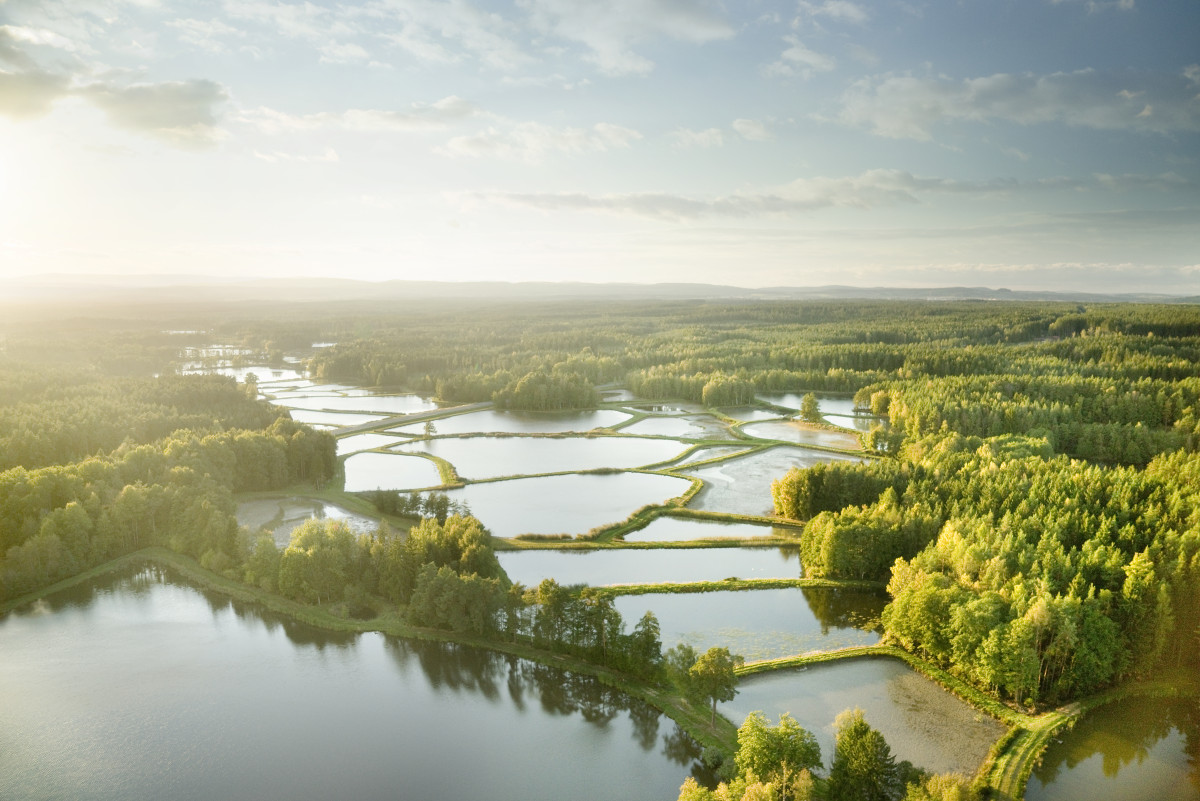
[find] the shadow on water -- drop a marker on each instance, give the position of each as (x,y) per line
(838,608)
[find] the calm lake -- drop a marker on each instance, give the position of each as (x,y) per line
(762,624)
(493,457)
(1139,749)
(570,504)
(920,721)
(680,529)
(140,687)
(369,471)
(648,566)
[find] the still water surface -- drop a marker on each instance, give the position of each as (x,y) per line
(493,457)
(678,529)
(500,422)
(1140,749)
(762,624)
(743,485)
(920,721)
(648,566)
(139,687)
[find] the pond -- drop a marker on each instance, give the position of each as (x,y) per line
(743,485)
(141,688)
(748,413)
(856,422)
(718,451)
(1139,749)
(365,442)
(762,624)
(680,529)
(570,504)
(370,471)
(802,434)
(281,515)
(385,404)
(688,428)
(648,566)
(493,457)
(920,721)
(827,404)
(262,372)
(336,419)
(500,422)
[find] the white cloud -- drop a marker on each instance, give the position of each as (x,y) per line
(330,156)
(182,113)
(839,10)
(342,53)
(439,32)
(753,130)
(294,20)
(532,141)
(799,60)
(685,138)
(30,93)
(908,107)
(867,190)
(204,34)
(38,36)
(419,117)
(610,29)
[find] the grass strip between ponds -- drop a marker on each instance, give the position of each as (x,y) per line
(721,736)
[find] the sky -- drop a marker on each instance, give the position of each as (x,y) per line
(1034,144)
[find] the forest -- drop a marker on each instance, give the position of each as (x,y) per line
(1032,500)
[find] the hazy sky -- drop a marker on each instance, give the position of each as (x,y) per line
(1027,144)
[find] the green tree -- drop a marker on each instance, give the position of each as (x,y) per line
(810,409)
(863,767)
(776,754)
(713,676)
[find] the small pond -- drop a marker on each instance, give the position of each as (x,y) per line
(385,404)
(827,404)
(762,624)
(681,529)
(570,504)
(743,485)
(501,422)
(282,515)
(336,419)
(365,442)
(493,457)
(648,566)
(369,471)
(1139,749)
(856,422)
(677,427)
(802,434)
(747,413)
(920,721)
(262,372)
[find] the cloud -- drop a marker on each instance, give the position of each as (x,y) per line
(439,32)
(531,141)
(182,113)
(685,138)
(204,34)
(330,156)
(838,10)
(419,117)
(610,29)
(342,53)
(294,20)
(867,190)
(30,93)
(799,60)
(754,130)
(908,107)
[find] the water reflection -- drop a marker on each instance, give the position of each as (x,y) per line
(1140,749)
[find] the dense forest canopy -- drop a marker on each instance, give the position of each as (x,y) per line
(1033,506)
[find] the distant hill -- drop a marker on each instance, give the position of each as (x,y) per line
(194,289)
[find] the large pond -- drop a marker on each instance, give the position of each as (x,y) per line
(570,504)
(802,434)
(138,687)
(920,721)
(364,442)
(370,471)
(827,404)
(1140,749)
(337,419)
(743,485)
(763,624)
(648,565)
(698,428)
(498,422)
(280,516)
(493,457)
(680,529)
(260,371)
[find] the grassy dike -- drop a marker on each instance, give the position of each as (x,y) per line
(695,720)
